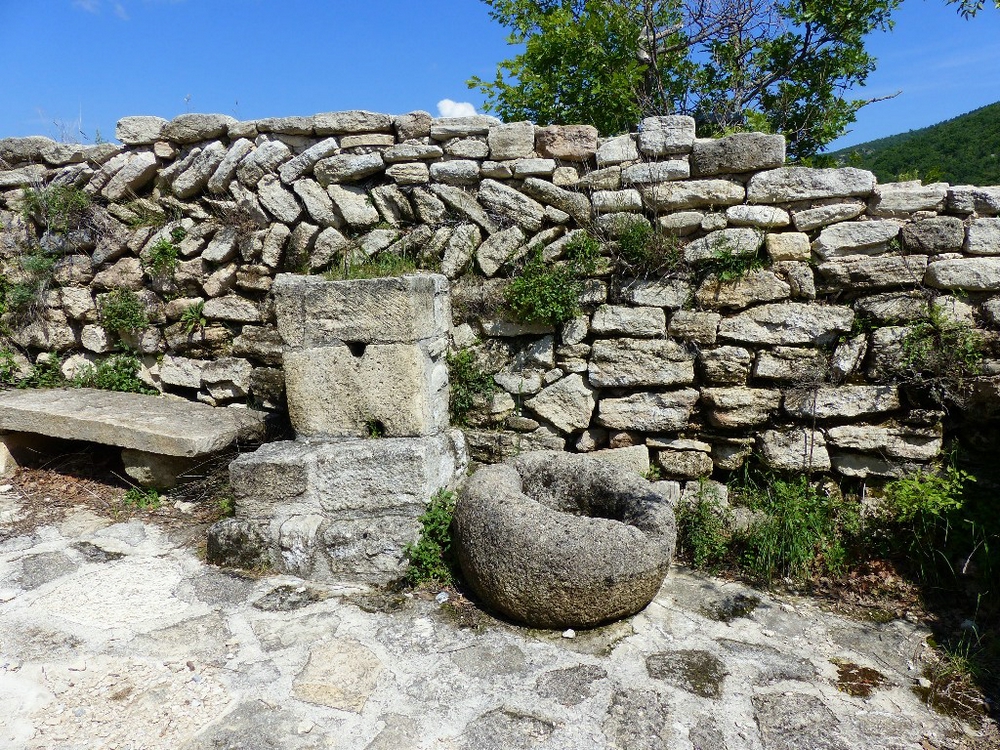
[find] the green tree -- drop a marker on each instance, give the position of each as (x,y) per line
(783,67)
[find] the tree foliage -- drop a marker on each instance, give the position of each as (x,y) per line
(732,64)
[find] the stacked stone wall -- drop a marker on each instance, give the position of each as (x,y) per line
(802,360)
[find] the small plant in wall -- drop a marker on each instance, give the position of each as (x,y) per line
(59,208)
(943,350)
(116,373)
(728,263)
(193,317)
(643,251)
(549,292)
(123,312)
(431,558)
(161,259)
(468,383)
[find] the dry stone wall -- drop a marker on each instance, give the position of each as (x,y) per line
(799,360)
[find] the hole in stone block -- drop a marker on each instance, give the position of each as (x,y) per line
(357,348)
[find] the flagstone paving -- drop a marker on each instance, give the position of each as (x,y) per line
(116,635)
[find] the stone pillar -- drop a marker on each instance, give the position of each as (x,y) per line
(367,387)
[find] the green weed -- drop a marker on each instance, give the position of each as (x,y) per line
(141,499)
(162,257)
(8,368)
(59,208)
(644,251)
(545,293)
(122,311)
(702,530)
(467,383)
(728,266)
(116,373)
(193,317)
(45,373)
(381,265)
(942,349)
(431,558)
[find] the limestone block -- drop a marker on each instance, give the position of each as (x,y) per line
(651,173)
(464,204)
(233,308)
(983,237)
(534,167)
(354,206)
(317,202)
(847,357)
(674,196)
(901,199)
(616,320)
(568,404)
(392,389)
(191,128)
(967,199)
(459,249)
(814,218)
(633,458)
(139,130)
(155,470)
(499,249)
(351,121)
(665,292)
(137,172)
(172,427)
(862,466)
(789,363)
(736,241)
(788,324)
(940,234)
(392,204)
(789,184)
(795,450)
(446,128)
(648,412)
(182,372)
(854,238)
(765,217)
(607,178)
(574,204)
(455,172)
(740,152)
(511,204)
(739,407)
(697,327)
(842,402)
(684,464)
(278,200)
(894,307)
(408,152)
(409,174)
(750,289)
(670,134)
(263,160)
(344,510)
(304,163)
(617,150)
(195,178)
(914,444)
(626,363)
(613,201)
(725,365)
(574,143)
(862,272)
(968,274)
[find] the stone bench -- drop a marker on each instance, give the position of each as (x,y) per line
(160,437)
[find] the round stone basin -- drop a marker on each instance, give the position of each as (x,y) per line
(558,540)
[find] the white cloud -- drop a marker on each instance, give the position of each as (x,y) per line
(121,12)
(91,6)
(448,108)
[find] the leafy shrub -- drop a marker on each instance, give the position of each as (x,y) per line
(45,373)
(116,373)
(8,368)
(162,257)
(544,293)
(431,558)
(121,311)
(60,208)
(467,382)
(583,252)
(728,266)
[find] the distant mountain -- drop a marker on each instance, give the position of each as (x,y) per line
(963,151)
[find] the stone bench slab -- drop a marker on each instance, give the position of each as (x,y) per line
(151,424)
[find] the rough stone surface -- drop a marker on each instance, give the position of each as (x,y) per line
(795,450)
(648,412)
(740,152)
(171,427)
(787,324)
(855,237)
(568,404)
(845,402)
(628,363)
(968,274)
(804,183)
(556,540)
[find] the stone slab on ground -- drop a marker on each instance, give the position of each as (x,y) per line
(129,640)
(153,424)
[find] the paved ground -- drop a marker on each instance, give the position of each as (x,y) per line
(115,635)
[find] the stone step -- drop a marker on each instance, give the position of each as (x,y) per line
(151,424)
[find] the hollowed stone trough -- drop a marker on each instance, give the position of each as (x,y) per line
(559,540)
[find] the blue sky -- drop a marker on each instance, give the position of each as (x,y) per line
(74,67)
